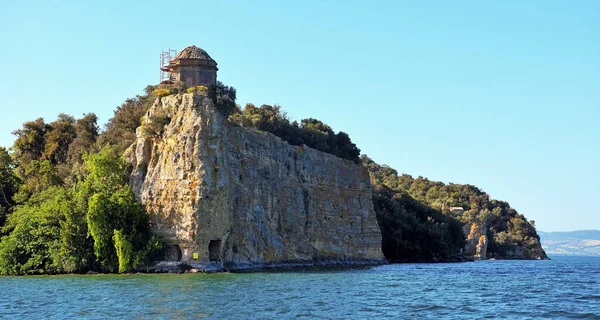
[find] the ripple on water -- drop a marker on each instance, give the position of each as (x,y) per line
(560,314)
(556,289)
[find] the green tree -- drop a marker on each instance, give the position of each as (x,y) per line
(100,222)
(120,129)
(37,176)
(29,144)
(58,137)
(76,247)
(224,98)
(9,184)
(33,246)
(95,224)
(124,251)
(86,134)
(112,206)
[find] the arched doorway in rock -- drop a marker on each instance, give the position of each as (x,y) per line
(173,253)
(214,250)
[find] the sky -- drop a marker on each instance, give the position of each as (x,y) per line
(503,95)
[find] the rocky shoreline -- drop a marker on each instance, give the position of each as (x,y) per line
(324,264)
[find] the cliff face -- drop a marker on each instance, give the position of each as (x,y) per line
(477,241)
(225,195)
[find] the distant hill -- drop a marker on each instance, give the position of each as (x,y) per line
(580,242)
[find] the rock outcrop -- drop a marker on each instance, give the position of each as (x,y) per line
(226,196)
(477,246)
(477,241)
(531,250)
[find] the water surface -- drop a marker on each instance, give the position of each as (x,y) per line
(566,287)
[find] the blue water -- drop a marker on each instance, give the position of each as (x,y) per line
(563,288)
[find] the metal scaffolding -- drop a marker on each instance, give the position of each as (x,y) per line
(165,59)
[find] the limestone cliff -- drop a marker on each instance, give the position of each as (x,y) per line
(477,241)
(221,194)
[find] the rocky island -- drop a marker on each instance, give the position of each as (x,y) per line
(183,178)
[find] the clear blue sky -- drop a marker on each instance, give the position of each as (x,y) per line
(504,95)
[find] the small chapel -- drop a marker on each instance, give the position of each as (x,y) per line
(192,65)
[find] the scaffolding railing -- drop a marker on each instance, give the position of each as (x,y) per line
(165,59)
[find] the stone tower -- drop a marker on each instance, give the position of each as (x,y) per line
(193,66)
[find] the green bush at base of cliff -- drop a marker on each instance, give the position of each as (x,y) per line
(124,251)
(94,224)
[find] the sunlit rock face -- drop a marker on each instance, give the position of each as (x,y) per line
(234,197)
(477,241)
(477,246)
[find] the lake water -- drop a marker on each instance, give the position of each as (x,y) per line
(566,287)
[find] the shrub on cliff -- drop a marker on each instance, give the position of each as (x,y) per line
(161,92)
(223,98)
(156,123)
(198,89)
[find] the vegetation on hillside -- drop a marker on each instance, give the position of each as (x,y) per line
(412,231)
(507,229)
(9,184)
(65,205)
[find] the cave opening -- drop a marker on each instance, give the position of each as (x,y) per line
(214,250)
(173,253)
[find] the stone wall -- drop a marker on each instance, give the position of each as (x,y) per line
(196,75)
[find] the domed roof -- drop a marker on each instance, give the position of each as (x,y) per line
(193,52)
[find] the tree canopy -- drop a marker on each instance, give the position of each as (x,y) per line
(65,205)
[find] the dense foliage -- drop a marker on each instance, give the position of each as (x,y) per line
(223,98)
(9,184)
(65,205)
(412,230)
(507,229)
